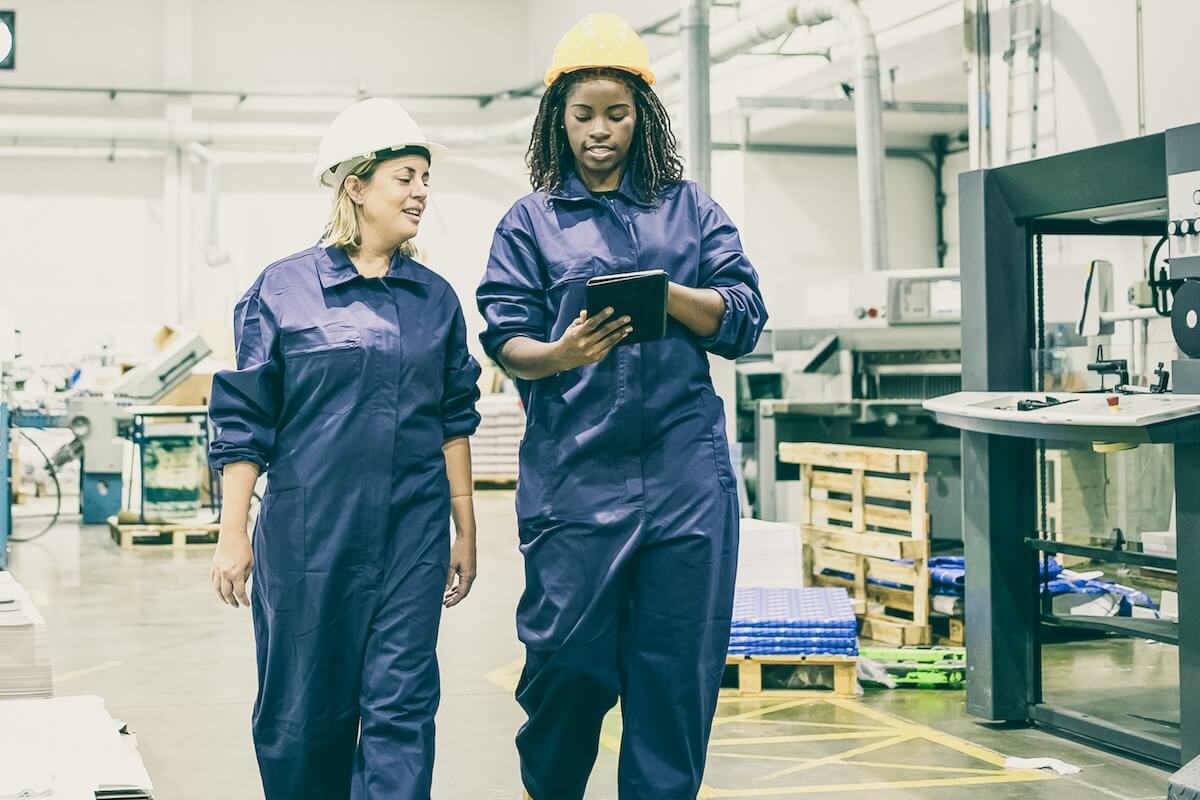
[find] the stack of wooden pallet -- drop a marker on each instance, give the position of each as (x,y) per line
(866,528)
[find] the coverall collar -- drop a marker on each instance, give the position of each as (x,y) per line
(335,268)
(575,190)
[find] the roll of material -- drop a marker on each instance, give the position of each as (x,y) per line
(1185,318)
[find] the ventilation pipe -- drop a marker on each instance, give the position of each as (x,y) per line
(733,40)
(697,106)
(213,253)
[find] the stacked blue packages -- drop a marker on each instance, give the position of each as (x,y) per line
(793,622)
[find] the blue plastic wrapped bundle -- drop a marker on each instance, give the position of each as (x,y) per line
(793,622)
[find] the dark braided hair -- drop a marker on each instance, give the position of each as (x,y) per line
(652,161)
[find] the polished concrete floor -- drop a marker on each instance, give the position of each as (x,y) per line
(143,630)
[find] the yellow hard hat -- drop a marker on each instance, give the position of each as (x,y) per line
(601,40)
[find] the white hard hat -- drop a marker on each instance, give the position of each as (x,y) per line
(363,130)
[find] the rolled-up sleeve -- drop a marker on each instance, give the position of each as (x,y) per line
(725,268)
(510,297)
(461,390)
(246,401)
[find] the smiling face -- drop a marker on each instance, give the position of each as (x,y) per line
(600,118)
(392,199)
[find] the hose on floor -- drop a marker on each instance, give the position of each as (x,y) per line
(57,492)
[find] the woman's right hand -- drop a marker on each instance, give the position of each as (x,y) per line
(231,566)
(588,341)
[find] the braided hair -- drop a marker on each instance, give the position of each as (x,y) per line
(652,162)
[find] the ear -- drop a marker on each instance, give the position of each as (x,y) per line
(354,189)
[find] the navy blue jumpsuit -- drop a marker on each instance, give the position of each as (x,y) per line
(627,507)
(345,390)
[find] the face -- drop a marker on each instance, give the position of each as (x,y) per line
(392,201)
(600,118)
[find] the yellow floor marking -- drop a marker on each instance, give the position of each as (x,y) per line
(889,732)
(934,783)
(79,673)
(760,757)
(966,748)
(814,737)
(508,676)
(760,712)
(923,767)
(858,708)
(832,759)
(835,725)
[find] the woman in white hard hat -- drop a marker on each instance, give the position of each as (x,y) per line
(627,506)
(355,391)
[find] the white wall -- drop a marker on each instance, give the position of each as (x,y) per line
(1090,96)
(798,215)
(801,220)
(307,46)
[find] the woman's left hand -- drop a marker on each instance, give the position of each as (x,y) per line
(462,570)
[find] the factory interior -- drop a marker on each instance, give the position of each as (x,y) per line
(923,270)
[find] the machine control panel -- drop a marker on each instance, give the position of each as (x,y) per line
(1183,220)
(925,300)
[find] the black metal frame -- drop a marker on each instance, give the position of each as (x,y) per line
(1001,210)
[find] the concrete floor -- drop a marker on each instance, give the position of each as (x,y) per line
(143,630)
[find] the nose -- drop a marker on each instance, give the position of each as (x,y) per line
(599,129)
(420,189)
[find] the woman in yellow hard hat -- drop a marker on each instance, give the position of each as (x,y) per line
(627,504)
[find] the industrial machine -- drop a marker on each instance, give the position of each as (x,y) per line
(1149,186)
(873,347)
(100,423)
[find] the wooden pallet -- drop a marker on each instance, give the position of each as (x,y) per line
(495,481)
(865,515)
(130,536)
(840,673)
(949,630)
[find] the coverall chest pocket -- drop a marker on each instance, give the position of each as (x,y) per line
(566,292)
(322,368)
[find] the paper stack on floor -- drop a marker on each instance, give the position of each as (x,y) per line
(793,621)
(496,443)
(67,748)
(24,647)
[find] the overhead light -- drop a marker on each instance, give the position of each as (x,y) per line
(8,39)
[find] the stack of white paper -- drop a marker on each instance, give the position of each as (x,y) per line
(770,556)
(496,443)
(24,647)
(67,748)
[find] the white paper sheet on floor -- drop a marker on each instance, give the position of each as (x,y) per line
(67,748)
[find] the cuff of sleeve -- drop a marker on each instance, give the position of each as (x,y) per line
(460,426)
(715,341)
(495,343)
(218,461)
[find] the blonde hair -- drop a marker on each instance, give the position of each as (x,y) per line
(343,229)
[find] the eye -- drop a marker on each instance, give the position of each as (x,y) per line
(582,118)
(618,117)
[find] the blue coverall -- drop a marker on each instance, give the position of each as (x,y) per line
(627,508)
(345,390)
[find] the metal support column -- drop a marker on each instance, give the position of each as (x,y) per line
(998,472)
(1187,563)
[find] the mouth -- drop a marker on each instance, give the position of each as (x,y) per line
(601,150)
(414,214)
